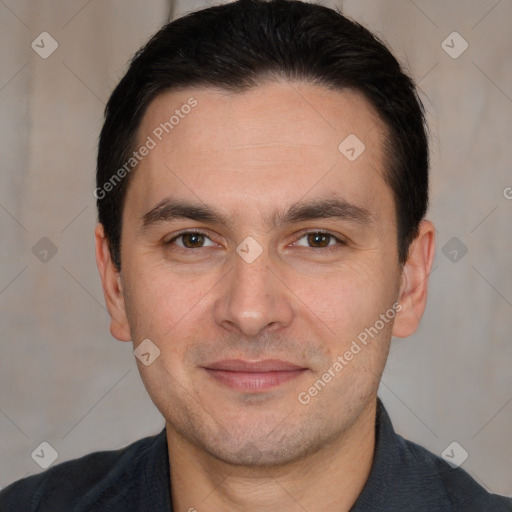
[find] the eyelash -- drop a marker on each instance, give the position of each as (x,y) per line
(329,248)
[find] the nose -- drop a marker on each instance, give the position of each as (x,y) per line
(253,298)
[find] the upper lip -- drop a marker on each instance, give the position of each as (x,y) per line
(267,365)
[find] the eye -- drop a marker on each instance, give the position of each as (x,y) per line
(319,240)
(312,240)
(191,240)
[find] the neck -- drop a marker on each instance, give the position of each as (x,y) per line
(330,479)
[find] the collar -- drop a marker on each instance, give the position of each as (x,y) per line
(401,477)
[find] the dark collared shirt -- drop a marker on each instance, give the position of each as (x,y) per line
(404,477)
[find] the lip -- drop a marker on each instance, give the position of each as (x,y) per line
(253,376)
(266,365)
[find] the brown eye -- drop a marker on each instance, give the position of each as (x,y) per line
(190,240)
(193,240)
(319,239)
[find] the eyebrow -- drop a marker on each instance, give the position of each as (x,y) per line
(170,209)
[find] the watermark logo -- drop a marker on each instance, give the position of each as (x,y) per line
(249,249)
(351,147)
(44,250)
(45,455)
(146,352)
(44,45)
(454,249)
(454,45)
(454,454)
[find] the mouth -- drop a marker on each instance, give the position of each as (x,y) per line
(255,376)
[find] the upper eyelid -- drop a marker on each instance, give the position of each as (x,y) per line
(187,231)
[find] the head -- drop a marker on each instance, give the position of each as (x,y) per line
(288,143)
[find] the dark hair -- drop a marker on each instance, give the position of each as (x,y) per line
(239,45)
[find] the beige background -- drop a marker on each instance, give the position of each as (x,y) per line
(66,381)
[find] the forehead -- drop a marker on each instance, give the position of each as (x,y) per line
(274,143)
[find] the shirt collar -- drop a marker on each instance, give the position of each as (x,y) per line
(399,478)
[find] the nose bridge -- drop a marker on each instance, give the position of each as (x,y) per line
(253,298)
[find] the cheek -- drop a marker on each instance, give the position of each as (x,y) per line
(349,298)
(160,302)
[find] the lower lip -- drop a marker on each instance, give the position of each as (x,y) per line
(254,381)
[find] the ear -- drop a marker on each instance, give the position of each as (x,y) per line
(112,288)
(414,286)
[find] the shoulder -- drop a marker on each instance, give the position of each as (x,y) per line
(407,476)
(461,491)
(64,484)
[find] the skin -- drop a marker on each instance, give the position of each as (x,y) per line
(249,155)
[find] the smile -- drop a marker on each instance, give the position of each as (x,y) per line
(253,376)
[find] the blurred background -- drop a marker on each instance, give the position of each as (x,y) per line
(65,381)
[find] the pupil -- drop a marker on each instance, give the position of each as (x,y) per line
(318,238)
(191,240)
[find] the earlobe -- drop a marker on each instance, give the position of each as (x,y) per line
(414,286)
(112,287)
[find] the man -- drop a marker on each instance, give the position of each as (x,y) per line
(262,185)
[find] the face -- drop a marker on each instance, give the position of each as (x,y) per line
(249,235)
